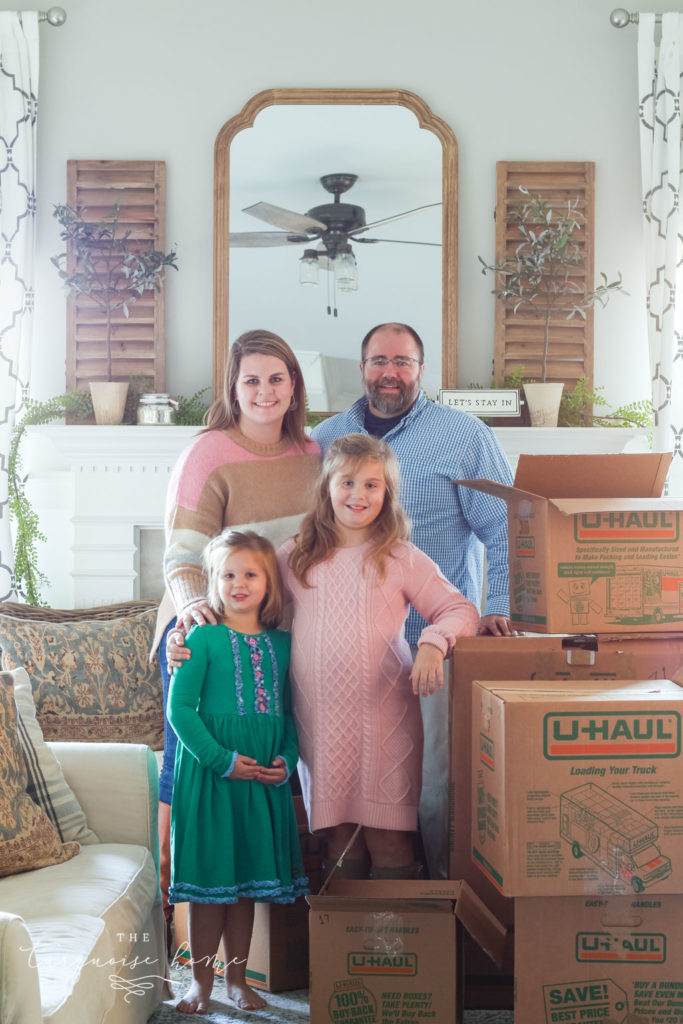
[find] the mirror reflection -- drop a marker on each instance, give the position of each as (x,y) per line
(362,264)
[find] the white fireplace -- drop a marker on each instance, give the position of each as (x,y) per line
(100,492)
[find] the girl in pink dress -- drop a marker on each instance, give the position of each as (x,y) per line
(352,575)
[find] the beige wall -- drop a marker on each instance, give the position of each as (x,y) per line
(534,79)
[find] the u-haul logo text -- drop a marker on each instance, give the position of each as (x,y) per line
(638,526)
(404,964)
(623,734)
(486,751)
(633,947)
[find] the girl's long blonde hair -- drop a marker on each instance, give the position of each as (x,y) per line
(224,412)
(226,543)
(318,537)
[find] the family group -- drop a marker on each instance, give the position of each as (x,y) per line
(315,584)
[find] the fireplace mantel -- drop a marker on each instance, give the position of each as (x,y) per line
(99,493)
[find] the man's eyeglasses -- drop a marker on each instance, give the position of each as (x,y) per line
(400,362)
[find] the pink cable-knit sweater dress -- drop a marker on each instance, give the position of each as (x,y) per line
(359,723)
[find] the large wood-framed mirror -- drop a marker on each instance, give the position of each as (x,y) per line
(275,151)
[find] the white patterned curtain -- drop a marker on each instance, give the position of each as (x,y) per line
(659,82)
(18,116)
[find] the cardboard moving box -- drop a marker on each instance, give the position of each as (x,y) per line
(566,659)
(592,548)
(278,955)
(389,952)
(613,959)
(578,790)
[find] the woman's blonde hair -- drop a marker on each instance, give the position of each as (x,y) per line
(224,412)
(230,541)
(318,537)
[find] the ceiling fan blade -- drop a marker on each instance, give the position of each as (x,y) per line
(260,239)
(387,220)
(286,219)
(398,241)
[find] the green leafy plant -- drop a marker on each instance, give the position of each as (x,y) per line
(540,277)
(28,578)
(190,411)
(578,404)
(102,262)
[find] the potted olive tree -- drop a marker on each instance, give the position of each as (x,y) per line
(540,278)
(104,263)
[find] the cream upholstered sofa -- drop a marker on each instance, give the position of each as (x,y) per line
(83,941)
(82,937)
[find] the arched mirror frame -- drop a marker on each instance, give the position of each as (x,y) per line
(362,97)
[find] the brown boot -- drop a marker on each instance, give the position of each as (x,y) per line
(165,870)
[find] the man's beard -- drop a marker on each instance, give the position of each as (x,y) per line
(391,405)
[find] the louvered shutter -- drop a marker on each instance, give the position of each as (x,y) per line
(138,341)
(519,336)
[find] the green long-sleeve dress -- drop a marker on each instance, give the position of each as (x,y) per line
(232,838)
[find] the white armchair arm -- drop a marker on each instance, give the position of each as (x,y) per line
(19,991)
(117,785)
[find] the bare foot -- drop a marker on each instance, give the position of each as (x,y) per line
(196,999)
(244,997)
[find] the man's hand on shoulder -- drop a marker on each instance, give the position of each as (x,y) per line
(495,625)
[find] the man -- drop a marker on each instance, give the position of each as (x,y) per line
(434,445)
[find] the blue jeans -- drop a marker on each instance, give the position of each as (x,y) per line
(170,738)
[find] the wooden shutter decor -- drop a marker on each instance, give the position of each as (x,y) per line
(518,338)
(138,340)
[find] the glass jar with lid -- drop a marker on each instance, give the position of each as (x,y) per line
(156,409)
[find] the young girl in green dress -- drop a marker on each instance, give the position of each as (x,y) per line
(233,829)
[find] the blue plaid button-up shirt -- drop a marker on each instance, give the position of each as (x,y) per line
(435,445)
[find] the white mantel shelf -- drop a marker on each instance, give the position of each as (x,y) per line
(99,490)
(143,444)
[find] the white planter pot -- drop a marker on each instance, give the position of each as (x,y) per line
(109,400)
(544,403)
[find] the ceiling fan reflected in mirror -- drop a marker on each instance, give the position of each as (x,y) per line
(334,224)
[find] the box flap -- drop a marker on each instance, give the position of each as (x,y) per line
(576,506)
(497,489)
(481,924)
(395,889)
(636,475)
(600,690)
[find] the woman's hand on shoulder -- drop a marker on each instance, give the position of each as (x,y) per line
(427,671)
(275,775)
(196,614)
(245,768)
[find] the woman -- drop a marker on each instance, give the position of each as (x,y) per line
(252,467)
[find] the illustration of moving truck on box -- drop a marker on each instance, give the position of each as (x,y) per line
(613,835)
(645,594)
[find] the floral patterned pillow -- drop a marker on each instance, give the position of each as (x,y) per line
(91,679)
(28,839)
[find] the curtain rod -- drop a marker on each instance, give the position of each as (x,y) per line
(620,18)
(54,16)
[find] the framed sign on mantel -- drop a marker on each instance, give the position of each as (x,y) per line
(138,340)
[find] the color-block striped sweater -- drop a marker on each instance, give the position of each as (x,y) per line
(224,479)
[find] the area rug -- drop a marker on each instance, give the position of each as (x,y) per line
(282,1008)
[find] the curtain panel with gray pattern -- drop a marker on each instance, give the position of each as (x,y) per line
(660,64)
(18,118)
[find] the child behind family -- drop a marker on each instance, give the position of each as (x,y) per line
(352,575)
(234,835)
